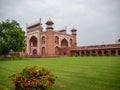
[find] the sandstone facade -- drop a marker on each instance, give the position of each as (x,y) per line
(52,42)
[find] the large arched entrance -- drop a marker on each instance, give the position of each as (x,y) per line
(33,45)
(64,43)
(63,50)
(33,41)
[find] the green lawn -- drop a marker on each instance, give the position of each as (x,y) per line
(74,73)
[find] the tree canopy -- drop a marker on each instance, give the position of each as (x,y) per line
(11,37)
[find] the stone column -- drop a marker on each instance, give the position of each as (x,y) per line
(80,53)
(102,52)
(96,52)
(84,53)
(90,53)
(109,51)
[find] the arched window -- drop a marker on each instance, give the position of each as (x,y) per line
(33,41)
(64,43)
(56,40)
(43,40)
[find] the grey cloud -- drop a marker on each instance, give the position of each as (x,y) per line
(96,20)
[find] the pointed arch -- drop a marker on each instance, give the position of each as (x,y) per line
(56,40)
(100,53)
(106,53)
(93,53)
(82,53)
(43,40)
(113,52)
(88,53)
(64,43)
(33,41)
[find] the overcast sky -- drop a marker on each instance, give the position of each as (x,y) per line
(97,21)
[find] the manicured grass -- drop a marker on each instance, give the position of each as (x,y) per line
(3,88)
(74,73)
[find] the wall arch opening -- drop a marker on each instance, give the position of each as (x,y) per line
(56,40)
(88,53)
(33,45)
(82,53)
(33,41)
(43,40)
(113,52)
(118,52)
(64,43)
(106,53)
(99,53)
(93,53)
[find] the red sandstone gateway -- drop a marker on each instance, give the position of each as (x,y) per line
(50,42)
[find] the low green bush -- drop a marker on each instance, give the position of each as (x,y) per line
(33,78)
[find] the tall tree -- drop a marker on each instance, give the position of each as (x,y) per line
(11,37)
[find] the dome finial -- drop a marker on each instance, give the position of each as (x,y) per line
(73,31)
(49,24)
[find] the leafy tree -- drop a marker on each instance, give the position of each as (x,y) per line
(118,40)
(11,37)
